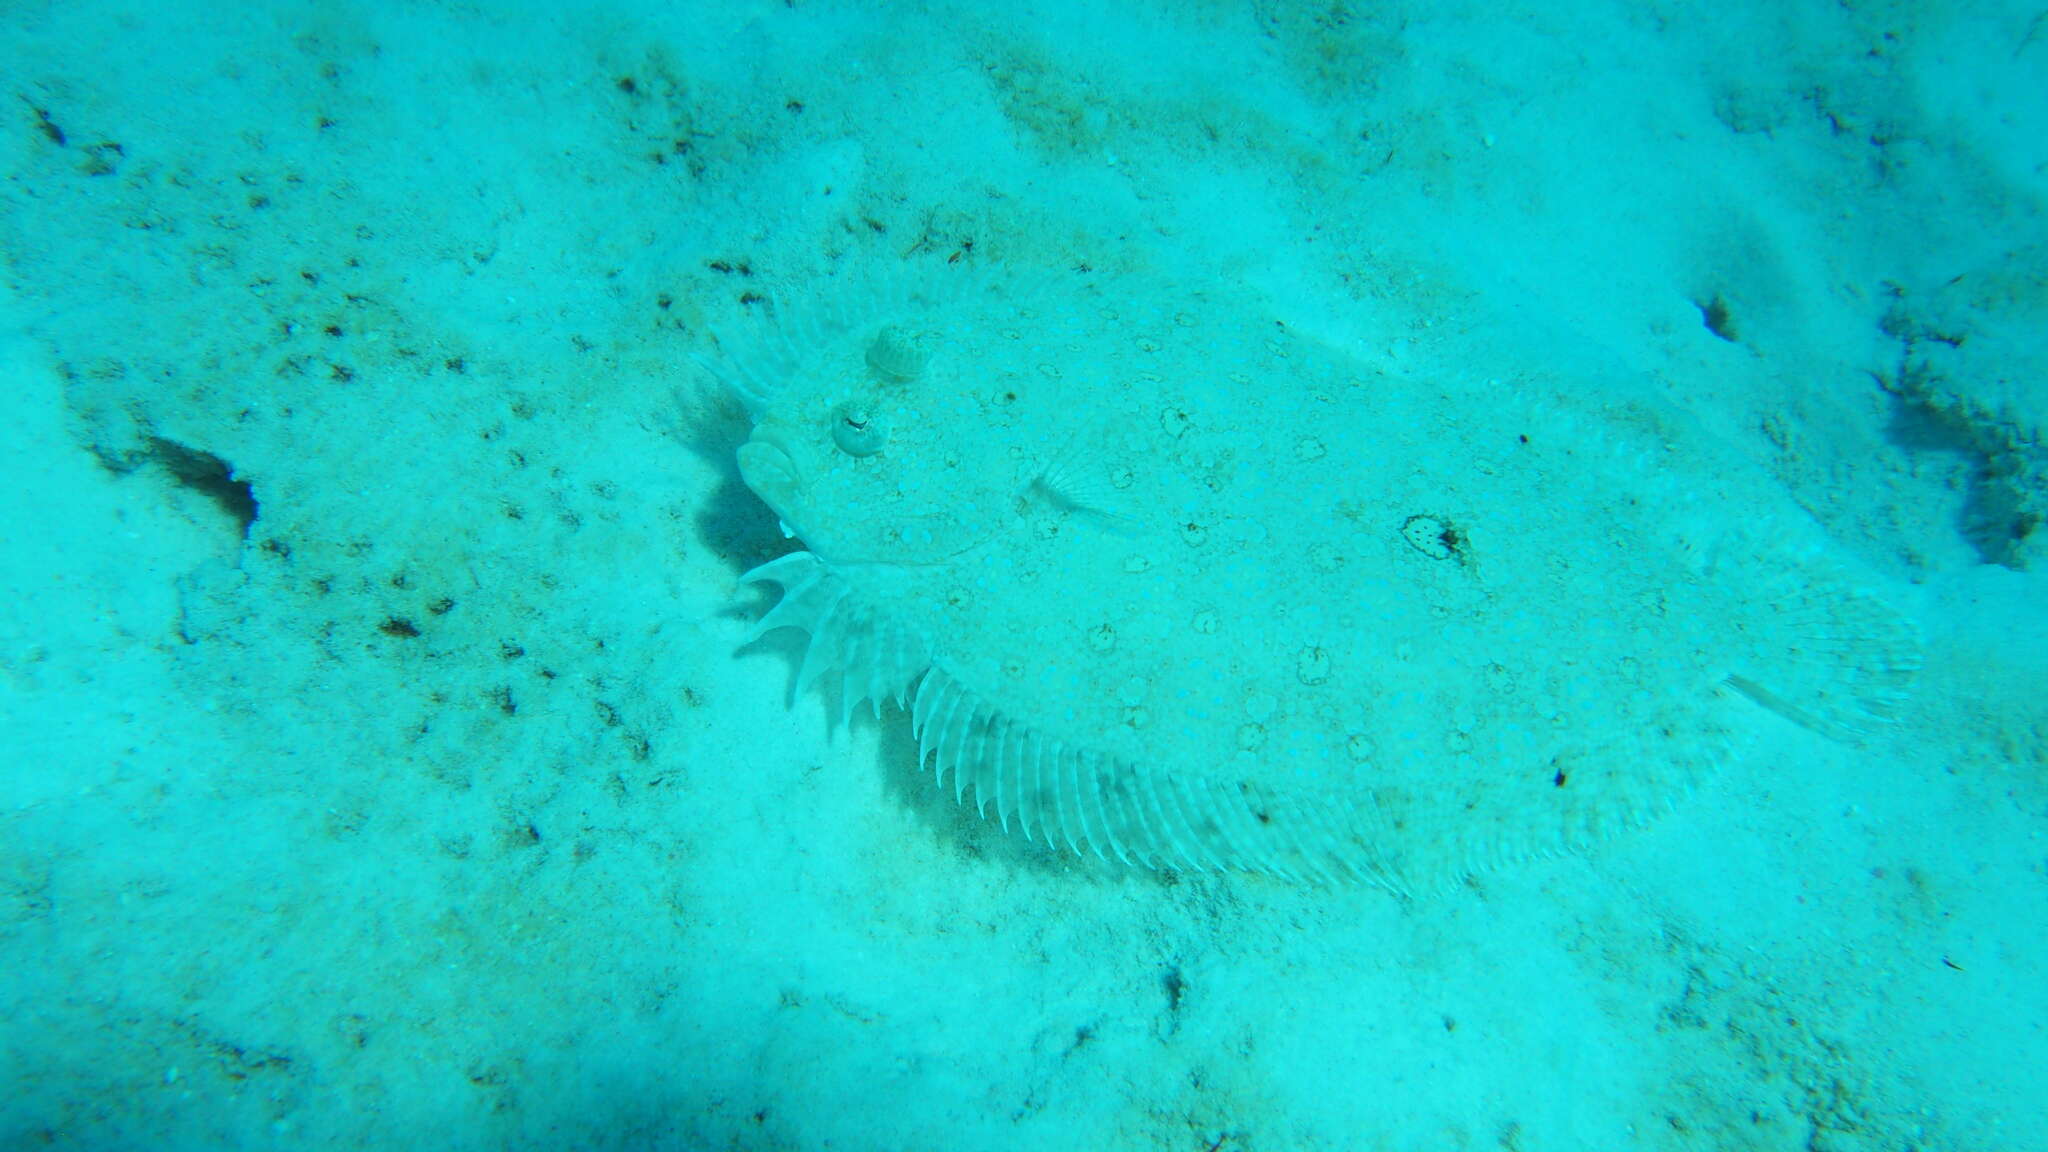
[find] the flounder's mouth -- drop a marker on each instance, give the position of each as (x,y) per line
(772,474)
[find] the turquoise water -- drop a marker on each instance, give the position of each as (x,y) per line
(377,767)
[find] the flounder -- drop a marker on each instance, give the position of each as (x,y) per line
(1162,580)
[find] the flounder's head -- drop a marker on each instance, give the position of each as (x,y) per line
(874,447)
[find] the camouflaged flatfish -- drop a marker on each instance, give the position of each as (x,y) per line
(1159,579)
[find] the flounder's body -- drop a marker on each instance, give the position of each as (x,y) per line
(1162,580)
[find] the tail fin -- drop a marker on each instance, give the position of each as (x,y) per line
(1837,659)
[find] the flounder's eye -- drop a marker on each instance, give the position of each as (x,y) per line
(857,430)
(898,356)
